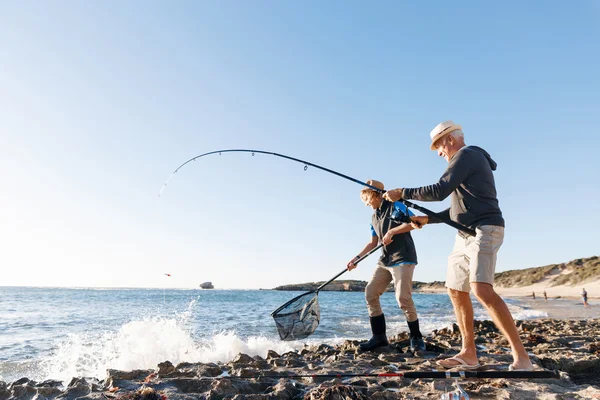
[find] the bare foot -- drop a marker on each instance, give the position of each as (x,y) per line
(521,365)
(460,361)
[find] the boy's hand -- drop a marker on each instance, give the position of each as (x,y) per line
(351,264)
(387,238)
(418,222)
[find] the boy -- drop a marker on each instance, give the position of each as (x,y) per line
(397,264)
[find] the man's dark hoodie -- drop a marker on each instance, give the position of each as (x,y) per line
(470,182)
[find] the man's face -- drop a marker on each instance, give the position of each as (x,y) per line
(444,148)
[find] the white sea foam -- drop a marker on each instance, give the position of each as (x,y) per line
(142,344)
(519,312)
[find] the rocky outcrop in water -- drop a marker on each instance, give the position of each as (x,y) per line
(206,285)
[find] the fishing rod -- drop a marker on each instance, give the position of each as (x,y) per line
(542,374)
(425,211)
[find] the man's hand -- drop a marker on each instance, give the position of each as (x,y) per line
(418,222)
(394,194)
(351,264)
(387,238)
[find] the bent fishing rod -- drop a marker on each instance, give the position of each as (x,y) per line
(425,211)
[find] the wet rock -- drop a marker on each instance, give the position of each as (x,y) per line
(525,327)
(378,363)
(373,388)
(191,370)
(22,392)
(165,368)
(23,381)
(48,392)
(4,393)
(273,354)
(383,395)
(285,390)
(229,388)
(245,372)
(294,363)
(594,347)
(392,358)
(189,385)
(277,362)
(136,374)
(243,359)
(337,392)
(208,370)
(349,345)
(49,383)
(393,383)
(126,380)
(78,387)
(144,393)
(455,329)
(485,327)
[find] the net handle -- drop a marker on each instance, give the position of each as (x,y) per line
(346,269)
(316,291)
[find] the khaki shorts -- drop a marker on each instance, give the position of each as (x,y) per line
(474,258)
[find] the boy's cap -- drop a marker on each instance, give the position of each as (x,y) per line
(374,183)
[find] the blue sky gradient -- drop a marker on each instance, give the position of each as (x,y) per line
(101,101)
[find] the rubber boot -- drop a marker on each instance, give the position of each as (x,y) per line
(379,338)
(416,338)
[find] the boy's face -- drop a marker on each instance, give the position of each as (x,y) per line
(375,201)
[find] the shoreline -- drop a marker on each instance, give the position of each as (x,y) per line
(568,347)
(567,340)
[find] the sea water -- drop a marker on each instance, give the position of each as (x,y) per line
(60,333)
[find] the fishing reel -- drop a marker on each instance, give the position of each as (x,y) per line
(401,217)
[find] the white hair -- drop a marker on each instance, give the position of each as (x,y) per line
(457,134)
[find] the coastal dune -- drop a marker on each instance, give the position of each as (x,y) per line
(558,280)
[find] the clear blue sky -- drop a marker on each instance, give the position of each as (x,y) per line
(100,101)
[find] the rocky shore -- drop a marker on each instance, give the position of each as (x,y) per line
(570,347)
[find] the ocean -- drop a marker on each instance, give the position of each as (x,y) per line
(60,333)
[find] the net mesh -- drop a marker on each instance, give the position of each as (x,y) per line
(298,318)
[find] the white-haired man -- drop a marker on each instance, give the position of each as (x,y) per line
(469,181)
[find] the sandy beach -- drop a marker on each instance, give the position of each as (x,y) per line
(592,288)
(562,291)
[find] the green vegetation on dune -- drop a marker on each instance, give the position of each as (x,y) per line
(583,270)
(572,273)
(524,277)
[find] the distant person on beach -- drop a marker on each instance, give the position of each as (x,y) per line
(469,181)
(584,297)
(533,295)
(545,296)
(397,263)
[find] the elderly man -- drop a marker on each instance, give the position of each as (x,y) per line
(469,181)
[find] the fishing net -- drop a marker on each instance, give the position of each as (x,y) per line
(298,318)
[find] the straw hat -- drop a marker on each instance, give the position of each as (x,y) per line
(442,130)
(374,183)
